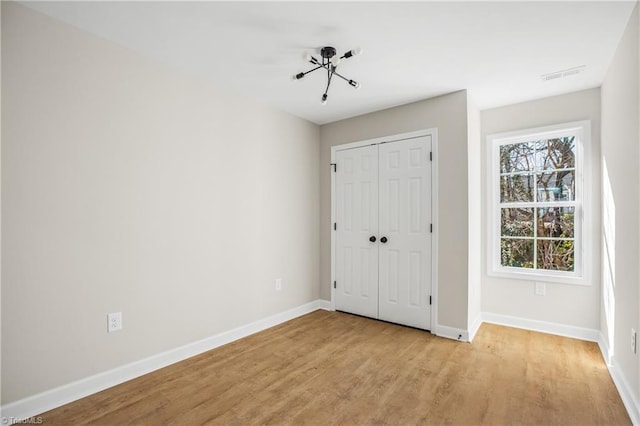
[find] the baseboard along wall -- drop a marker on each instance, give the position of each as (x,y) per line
(631,403)
(588,334)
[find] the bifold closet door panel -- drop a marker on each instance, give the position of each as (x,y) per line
(356,259)
(404,232)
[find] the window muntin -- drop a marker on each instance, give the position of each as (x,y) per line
(536,213)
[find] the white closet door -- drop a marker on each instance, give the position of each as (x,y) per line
(357,222)
(404,232)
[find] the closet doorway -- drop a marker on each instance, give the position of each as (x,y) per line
(382,251)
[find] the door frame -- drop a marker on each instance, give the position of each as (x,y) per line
(433,132)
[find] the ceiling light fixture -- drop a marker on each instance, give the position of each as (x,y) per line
(329,62)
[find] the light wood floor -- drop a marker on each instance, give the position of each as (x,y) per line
(335,368)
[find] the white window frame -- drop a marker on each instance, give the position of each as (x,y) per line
(582,131)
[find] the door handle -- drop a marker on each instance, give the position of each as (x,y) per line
(372,238)
(383,240)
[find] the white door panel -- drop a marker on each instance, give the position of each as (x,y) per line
(357,218)
(405,220)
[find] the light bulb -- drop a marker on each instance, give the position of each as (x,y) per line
(353,52)
(323,101)
(358,85)
(307,57)
(335,61)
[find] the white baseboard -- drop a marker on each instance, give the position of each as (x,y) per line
(452,333)
(587,334)
(604,349)
(323,304)
(632,406)
(630,402)
(475,326)
(65,394)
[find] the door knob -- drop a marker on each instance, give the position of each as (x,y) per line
(372,239)
(383,240)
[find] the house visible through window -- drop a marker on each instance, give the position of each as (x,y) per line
(536,208)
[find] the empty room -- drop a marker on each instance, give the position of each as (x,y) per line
(285,213)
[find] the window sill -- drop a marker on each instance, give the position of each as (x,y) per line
(541,277)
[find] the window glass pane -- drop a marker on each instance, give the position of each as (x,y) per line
(516,253)
(517,157)
(556,255)
(556,186)
(556,222)
(516,188)
(517,222)
(557,153)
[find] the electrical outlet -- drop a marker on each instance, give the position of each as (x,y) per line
(634,341)
(278,284)
(541,289)
(114,321)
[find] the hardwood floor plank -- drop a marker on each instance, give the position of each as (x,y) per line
(336,368)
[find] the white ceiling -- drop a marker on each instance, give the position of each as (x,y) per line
(412,50)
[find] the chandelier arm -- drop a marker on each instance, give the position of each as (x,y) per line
(344,78)
(329,75)
(307,72)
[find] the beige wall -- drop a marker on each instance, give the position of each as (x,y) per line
(449,115)
(620,153)
(129,187)
(566,304)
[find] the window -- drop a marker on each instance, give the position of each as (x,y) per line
(536,198)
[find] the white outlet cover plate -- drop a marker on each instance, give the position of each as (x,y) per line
(114,321)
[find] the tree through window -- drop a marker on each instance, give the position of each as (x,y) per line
(537,204)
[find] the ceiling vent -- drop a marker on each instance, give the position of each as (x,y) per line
(563,73)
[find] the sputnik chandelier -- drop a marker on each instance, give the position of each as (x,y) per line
(330,63)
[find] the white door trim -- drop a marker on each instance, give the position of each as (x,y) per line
(433,132)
